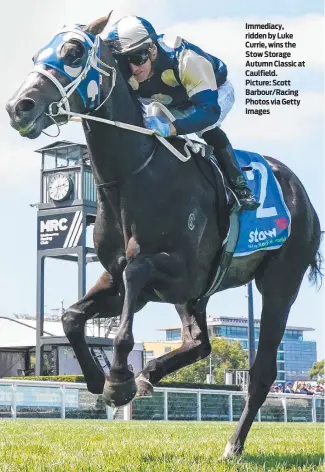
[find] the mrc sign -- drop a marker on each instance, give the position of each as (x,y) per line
(59,231)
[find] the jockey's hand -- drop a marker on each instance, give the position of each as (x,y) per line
(158,126)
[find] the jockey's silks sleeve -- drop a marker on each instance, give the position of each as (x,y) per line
(198,78)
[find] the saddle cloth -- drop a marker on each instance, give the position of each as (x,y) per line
(269,226)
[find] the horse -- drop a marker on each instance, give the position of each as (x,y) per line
(142,235)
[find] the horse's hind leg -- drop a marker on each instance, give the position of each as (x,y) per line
(278,284)
(102,299)
(195,346)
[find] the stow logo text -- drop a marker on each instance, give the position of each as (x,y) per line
(257,236)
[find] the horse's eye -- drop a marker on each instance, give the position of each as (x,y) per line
(73,53)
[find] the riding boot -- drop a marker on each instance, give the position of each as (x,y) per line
(233,173)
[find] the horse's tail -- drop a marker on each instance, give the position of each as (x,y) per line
(316,274)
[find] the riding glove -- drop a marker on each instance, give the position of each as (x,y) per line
(160,127)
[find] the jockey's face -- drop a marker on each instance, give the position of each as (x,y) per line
(143,71)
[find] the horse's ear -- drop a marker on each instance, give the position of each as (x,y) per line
(97,26)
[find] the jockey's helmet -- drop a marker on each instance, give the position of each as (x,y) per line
(130,34)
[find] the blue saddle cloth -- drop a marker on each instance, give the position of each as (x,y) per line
(269,226)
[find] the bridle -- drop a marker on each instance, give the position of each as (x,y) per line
(63,106)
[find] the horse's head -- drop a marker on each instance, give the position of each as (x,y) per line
(67,75)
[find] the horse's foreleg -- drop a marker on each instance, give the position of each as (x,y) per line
(195,346)
(102,299)
(279,287)
(120,387)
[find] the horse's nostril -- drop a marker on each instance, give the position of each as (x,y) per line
(25,105)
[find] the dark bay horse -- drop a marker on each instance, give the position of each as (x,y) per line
(142,234)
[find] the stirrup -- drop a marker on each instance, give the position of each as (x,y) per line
(248,202)
(246,198)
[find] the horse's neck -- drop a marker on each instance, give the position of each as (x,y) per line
(117,152)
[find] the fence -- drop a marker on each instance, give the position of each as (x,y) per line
(32,399)
(221,405)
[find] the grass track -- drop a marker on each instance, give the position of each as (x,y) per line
(94,446)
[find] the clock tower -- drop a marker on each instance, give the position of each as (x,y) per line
(67,206)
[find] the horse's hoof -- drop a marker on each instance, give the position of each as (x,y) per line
(230,452)
(119,394)
(144,387)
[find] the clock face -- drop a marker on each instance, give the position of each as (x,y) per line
(59,187)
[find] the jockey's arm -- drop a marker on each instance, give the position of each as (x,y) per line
(198,78)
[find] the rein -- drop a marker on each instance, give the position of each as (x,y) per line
(196,147)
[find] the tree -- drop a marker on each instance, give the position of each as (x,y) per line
(317,371)
(225,355)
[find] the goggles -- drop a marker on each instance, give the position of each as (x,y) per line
(138,58)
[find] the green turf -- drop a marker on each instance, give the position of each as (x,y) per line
(82,445)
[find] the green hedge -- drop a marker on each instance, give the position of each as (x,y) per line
(53,378)
(198,385)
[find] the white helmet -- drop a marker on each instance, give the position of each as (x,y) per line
(129,34)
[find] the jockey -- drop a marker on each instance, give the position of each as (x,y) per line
(192,84)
